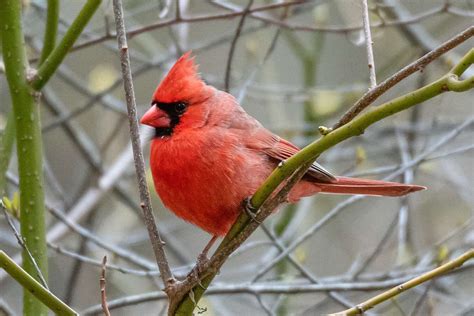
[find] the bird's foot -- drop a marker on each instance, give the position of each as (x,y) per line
(198,270)
(250,210)
(202,262)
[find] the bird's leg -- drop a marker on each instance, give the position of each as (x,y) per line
(208,246)
(250,209)
(202,259)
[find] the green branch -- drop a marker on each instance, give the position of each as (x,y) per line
(449,82)
(54,59)
(362,307)
(29,147)
(33,286)
(27,123)
(51,29)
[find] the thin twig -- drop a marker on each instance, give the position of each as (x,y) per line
(97,263)
(376,251)
(178,9)
(403,255)
(271,48)
(119,251)
(103,294)
(368,43)
(419,302)
(415,66)
(228,67)
(22,244)
(303,270)
(157,243)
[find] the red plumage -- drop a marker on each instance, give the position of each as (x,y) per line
(210,156)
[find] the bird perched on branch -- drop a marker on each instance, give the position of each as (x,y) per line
(208,154)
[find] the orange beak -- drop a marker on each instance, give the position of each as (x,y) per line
(155,117)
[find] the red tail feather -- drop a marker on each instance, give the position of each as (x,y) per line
(346,185)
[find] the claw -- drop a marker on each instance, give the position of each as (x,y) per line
(250,209)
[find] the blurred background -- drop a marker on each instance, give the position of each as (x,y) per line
(294,67)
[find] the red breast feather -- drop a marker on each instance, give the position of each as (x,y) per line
(203,176)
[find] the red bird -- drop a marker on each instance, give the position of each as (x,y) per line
(208,154)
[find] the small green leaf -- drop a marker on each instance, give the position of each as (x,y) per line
(12,206)
(443,254)
(16,201)
(361,154)
(7,204)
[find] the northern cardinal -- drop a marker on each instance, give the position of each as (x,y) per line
(208,154)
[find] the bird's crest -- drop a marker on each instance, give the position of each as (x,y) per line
(182,83)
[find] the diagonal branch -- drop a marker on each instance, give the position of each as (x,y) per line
(54,59)
(51,30)
(33,286)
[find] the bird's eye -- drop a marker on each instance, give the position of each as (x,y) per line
(180,107)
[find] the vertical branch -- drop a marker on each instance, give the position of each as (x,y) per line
(29,148)
(102,282)
(153,233)
(51,29)
(403,255)
(368,43)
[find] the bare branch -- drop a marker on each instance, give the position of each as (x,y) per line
(103,294)
(157,243)
(368,43)
(232,46)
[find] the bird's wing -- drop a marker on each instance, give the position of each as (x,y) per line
(281,149)
(259,138)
